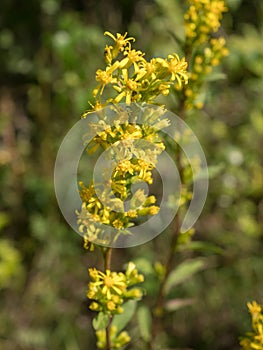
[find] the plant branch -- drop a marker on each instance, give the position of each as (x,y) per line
(107,264)
(107,259)
(176,225)
(108,328)
(159,306)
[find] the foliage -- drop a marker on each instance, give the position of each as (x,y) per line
(50,51)
(137,80)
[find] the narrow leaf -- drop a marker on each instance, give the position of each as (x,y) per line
(175,304)
(184,271)
(101,321)
(120,321)
(144,265)
(215,76)
(145,322)
(213,171)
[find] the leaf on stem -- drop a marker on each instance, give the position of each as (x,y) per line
(176,304)
(184,271)
(100,321)
(145,322)
(121,320)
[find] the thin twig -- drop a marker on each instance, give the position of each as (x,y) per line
(108,341)
(107,259)
(107,265)
(159,306)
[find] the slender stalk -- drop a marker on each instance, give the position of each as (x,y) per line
(107,259)
(159,305)
(107,265)
(108,342)
(169,265)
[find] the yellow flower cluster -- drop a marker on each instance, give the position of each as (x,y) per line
(202,20)
(212,57)
(110,290)
(136,159)
(128,77)
(131,78)
(202,67)
(107,135)
(254,340)
(94,211)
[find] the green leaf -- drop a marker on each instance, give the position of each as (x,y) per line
(100,321)
(184,271)
(144,265)
(213,171)
(215,76)
(144,322)
(175,304)
(120,321)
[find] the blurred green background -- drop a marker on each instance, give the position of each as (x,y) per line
(49,52)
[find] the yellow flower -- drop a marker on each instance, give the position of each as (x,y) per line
(118,340)
(87,244)
(111,306)
(111,282)
(132,77)
(254,308)
(117,224)
(177,68)
(132,85)
(94,274)
(104,77)
(119,186)
(109,290)
(124,166)
(133,57)
(135,293)
(108,54)
(121,41)
(164,89)
(151,68)
(86,193)
(94,306)
(133,277)
(254,339)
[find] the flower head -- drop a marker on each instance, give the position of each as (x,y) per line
(254,339)
(131,77)
(121,42)
(110,289)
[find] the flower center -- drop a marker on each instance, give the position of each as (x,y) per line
(108,281)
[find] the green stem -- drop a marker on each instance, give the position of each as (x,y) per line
(107,259)
(107,265)
(159,305)
(108,341)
